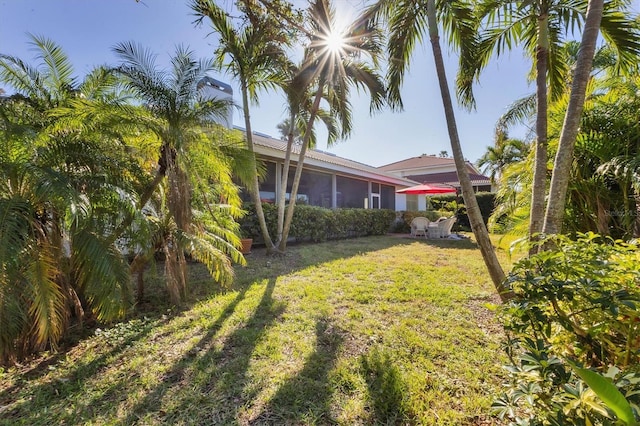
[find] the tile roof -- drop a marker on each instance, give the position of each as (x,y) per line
(424,162)
(450,178)
(418,162)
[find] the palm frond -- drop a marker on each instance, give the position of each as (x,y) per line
(16,215)
(521,111)
(26,79)
(408,25)
(102,274)
(47,307)
(215,248)
(100,84)
(58,73)
(623,35)
(14,318)
(142,76)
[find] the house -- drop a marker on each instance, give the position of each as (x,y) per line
(335,182)
(328,180)
(432,169)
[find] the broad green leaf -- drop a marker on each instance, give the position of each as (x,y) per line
(609,394)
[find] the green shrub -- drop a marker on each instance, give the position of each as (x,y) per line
(486,204)
(576,309)
(316,224)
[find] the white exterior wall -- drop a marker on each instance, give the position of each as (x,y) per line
(401,202)
(422,202)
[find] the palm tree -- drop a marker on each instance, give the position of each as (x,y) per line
(538,25)
(407,22)
(504,152)
(581,76)
(252,53)
(332,63)
(182,120)
(60,191)
(299,100)
(286,128)
(602,191)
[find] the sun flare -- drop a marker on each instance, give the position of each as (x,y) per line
(335,42)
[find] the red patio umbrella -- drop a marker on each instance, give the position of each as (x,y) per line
(427,189)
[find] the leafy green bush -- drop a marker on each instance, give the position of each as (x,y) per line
(318,224)
(486,203)
(575,311)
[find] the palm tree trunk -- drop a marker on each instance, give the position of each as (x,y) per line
(473,211)
(564,157)
(255,189)
(282,196)
(298,175)
(539,186)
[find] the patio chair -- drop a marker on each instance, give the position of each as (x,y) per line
(444,227)
(419,226)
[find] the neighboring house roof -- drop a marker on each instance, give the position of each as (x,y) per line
(450,178)
(417,162)
(424,162)
(432,169)
(274,148)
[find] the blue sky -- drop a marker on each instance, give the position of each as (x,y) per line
(87,30)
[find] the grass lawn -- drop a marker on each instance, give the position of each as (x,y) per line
(379,330)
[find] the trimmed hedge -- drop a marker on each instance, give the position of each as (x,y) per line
(319,224)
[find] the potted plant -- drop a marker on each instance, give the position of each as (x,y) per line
(249,229)
(246,243)
(246,238)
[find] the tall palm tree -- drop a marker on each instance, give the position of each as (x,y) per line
(540,27)
(299,102)
(564,156)
(408,21)
(252,53)
(333,64)
(603,174)
(182,120)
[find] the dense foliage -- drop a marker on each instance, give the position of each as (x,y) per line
(91,178)
(604,187)
(575,311)
(486,203)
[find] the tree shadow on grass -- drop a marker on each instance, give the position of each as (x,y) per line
(305,398)
(59,392)
(72,384)
(446,243)
(387,392)
(206,386)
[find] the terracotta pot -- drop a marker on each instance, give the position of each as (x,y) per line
(246,245)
